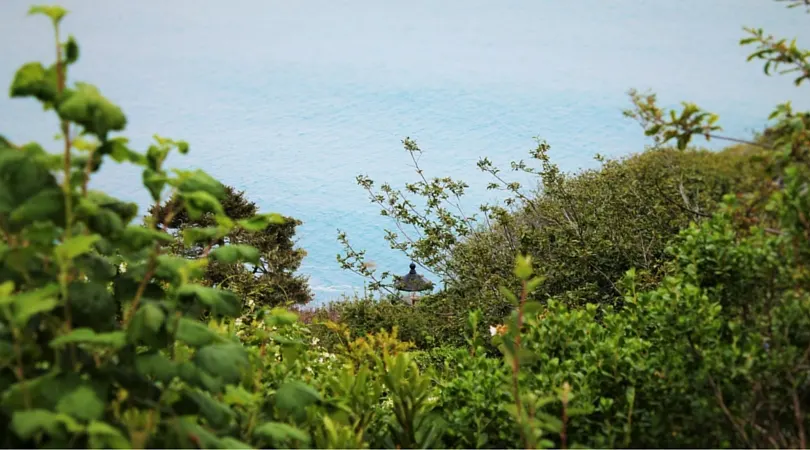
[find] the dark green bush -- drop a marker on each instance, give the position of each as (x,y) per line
(585,230)
(367,315)
(272,280)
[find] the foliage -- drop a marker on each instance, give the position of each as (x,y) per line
(101,340)
(365,315)
(268,278)
(584,232)
(705,345)
(717,356)
(101,346)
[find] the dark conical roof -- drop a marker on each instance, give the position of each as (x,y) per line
(413,282)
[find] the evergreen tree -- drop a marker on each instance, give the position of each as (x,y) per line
(273,280)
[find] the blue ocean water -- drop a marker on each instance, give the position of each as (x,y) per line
(290,100)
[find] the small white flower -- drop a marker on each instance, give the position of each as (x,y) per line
(238,321)
(492,330)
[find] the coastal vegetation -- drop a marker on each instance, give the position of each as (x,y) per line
(659,300)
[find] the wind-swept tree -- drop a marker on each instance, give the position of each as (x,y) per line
(272,281)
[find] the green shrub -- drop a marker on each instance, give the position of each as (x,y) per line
(701,361)
(584,231)
(475,402)
(271,280)
(367,315)
(102,346)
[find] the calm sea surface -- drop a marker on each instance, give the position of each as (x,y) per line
(290,100)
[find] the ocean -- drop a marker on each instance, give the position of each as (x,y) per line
(291,100)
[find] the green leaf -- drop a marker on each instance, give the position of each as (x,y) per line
(219,301)
(119,151)
(534,283)
(125,210)
(195,376)
(28,304)
(195,333)
(260,222)
(82,403)
(196,235)
(39,392)
(532,308)
(155,155)
(295,396)
(153,317)
(154,182)
(156,365)
(217,414)
(237,395)
(138,237)
(234,253)
(33,80)
(198,203)
(281,317)
(199,181)
(26,424)
(145,323)
(87,107)
(6,289)
(683,141)
(103,435)
(523,267)
(114,339)
(24,173)
(48,204)
(75,246)
(96,266)
(227,361)
(280,432)
(71,50)
(179,268)
(187,428)
(508,294)
(55,12)
(106,223)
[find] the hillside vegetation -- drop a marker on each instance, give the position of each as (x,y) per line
(660,300)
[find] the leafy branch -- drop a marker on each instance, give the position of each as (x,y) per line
(426,233)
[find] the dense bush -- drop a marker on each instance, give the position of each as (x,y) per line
(584,231)
(272,280)
(101,340)
(101,345)
(420,325)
